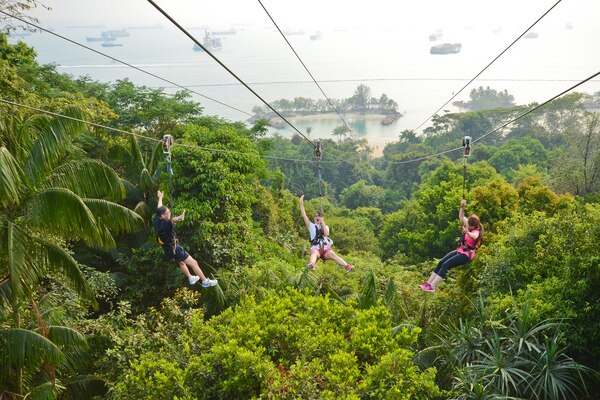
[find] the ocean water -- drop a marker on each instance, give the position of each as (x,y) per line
(393,61)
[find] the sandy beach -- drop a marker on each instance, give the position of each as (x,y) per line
(377,144)
(333,116)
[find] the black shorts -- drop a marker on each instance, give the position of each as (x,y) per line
(179,255)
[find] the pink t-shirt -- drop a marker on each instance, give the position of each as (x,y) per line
(471,242)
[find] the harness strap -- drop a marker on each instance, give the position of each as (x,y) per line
(167,143)
(318,156)
(467,153)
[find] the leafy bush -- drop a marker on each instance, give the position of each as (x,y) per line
(289,345)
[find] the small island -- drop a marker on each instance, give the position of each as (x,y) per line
(362,103)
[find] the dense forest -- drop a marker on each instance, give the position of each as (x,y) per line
(89,309)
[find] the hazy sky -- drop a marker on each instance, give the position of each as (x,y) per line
(317,13)
(559,54)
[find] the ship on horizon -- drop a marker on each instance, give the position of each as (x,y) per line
(445,48)
(210,43)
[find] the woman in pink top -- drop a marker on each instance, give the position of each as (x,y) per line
(472,231)
(320,242)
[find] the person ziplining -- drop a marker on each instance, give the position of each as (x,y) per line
(471,235)
(164,226)
(165,235)
(320,241)
(470,239)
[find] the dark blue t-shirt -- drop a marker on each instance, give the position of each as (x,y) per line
(164,232)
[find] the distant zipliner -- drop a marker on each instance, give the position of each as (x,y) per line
(320,241)
(164,226)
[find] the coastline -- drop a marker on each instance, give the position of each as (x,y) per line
(333,115)
(377,144)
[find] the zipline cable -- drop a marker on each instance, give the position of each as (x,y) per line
(305,67)
(487,66)
(54,114)
(109,128)
(503,125)
(124,63)
(189,35)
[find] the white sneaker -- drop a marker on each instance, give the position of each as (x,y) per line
(193,279)
(209,283)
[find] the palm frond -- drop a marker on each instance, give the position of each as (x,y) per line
(368,295)
(11,178)
(155,158)
(46,391)
(63,213)
(73,344)
(87,178)
(23,347)
(5,295)
(136,152)
(15,135)
(304,280)
(143,210)
(54,136)
(393,301)
(214,300)
(131,191)
(114,216)
(57,260)
(23,269)
(121,153)
(84,387)
(147,183)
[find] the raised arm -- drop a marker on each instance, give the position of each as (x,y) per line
(461,213)
(160,198)
(465,222)
(303,212)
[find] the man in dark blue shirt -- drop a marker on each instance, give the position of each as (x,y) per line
(163,225)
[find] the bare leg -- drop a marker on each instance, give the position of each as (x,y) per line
(191,262)
(184,269)
(330,255)
(314,256)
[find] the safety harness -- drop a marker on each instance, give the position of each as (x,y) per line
(320,237)
(462,242)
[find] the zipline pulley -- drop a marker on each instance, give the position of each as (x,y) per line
(467,146)
(318,150)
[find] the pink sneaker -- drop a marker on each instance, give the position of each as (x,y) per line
(427,287)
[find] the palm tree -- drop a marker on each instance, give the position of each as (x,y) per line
(141,171)
(518,357)
(340,131)
(50,194)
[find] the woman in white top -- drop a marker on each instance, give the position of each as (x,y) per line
(319,240)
